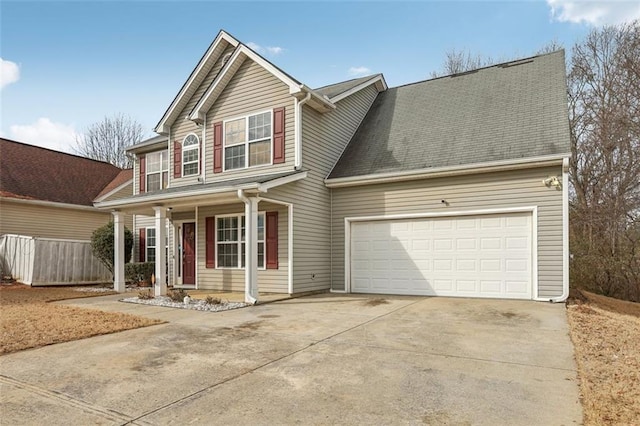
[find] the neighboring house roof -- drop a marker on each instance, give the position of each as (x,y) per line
(125,176)
(503,112)
(32,172)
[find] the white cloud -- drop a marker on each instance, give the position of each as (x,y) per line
(45,133)
(275,50)
(9,72)
(359,71)
(271,50)
(594,13)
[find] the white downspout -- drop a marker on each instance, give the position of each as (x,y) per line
(289,239)
(251,244)
(298,119)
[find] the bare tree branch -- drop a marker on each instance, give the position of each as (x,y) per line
(106,140)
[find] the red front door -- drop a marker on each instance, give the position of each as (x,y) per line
(189,253)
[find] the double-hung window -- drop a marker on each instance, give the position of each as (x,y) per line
(151,244)
(190,155)
(157,170)
(248,141)
(230,241)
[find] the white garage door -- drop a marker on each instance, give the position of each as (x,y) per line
(466,256)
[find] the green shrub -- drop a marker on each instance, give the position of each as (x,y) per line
(138,272)
(177,295)
(102,244)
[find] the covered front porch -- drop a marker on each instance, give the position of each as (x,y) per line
(226,239)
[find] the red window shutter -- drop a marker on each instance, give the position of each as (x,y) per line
(271,220)
(217,147)
(278,135)
(210,246)
(177,159)
(142,246)
(143,177)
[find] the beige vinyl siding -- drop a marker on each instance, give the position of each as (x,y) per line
(324,138)
(126,191)
(269,280)
(251,90)
(463,193)
(49,222)
(183,126)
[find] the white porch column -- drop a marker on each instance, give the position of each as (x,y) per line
(160,287)
(251,250)
(118,252)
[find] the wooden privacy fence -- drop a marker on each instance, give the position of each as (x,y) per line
(49,261)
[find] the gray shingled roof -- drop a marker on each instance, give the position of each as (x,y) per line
(335,89)
(508,111)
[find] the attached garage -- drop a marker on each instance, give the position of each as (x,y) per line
(479,255)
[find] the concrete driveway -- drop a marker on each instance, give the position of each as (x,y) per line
(326,359)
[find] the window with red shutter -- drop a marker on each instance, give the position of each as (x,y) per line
(217,147)
(142,245)
(177,159)
(272,240)
(278,135)
(210,245)
(143,177)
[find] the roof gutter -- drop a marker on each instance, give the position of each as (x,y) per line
(436,172)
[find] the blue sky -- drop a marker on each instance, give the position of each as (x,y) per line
(66,65)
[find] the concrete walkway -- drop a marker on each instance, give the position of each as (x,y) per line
(324,359)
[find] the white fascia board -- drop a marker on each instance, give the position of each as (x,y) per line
(43,203)
(205,102)
(465,169)
(264,187)
(378,80)
(200,110)
(163,124)
(126,202)
(113,191)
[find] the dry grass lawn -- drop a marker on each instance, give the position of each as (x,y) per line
(27,320)
(606,337)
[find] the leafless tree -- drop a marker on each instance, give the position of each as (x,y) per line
(106,140)
(604,109)
(457,61)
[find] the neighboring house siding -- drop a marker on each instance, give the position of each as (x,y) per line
(463,193)
(269,280)
(50,222)
(324,138)
(251,90)
(183,126)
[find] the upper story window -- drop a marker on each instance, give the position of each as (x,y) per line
(247,141)
(157,170)
(190,155)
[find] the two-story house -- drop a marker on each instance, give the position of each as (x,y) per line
(454,186)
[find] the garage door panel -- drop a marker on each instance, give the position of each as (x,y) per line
(471,256)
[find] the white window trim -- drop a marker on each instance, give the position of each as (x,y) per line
(239,243)
(147,174)
(155,238)
(195,147)
(146,243)
(246,142)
